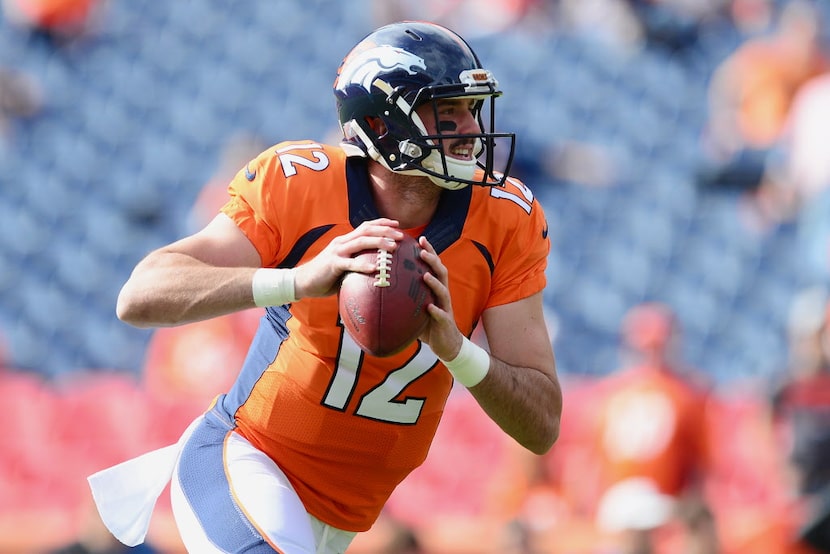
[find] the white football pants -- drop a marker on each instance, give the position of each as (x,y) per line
(228,497)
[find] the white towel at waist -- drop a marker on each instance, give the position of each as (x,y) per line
(126,494)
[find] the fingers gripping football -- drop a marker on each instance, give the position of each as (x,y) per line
(442,333)
(321,276)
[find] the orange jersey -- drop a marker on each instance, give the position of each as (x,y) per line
(651,424)
(346,427)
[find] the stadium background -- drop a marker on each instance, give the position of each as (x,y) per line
(135,117)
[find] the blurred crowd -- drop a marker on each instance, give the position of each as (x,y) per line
(654,457)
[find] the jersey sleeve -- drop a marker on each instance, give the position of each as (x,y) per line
(289,189)
(520,269)
(257,197)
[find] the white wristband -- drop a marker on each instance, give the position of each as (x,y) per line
(273,287)
(471,364)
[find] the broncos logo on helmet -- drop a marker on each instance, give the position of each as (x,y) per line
(364,68)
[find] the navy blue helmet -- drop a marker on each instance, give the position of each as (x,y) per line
(402,66)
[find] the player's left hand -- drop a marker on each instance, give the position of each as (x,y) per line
(442,334)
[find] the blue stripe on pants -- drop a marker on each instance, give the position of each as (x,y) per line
(206,488)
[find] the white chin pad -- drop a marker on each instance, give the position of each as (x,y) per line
(463,169)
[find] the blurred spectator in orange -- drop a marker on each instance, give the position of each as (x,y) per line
(802,410)
(57,19)
(800,171)
(807,166)
(751,93)
(796,185)
(651,444)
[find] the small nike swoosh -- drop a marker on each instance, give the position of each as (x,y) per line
(545,232)
(250,175)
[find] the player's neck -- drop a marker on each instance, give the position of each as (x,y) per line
(411,200)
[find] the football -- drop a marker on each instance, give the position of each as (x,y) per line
(385,311)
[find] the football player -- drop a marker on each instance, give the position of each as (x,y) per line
(305,448)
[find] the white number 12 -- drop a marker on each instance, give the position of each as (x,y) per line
(379,403)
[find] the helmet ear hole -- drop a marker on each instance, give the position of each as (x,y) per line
(377,125)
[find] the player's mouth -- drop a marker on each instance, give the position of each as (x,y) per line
(462,149)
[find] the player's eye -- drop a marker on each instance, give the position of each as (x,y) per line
(455,106)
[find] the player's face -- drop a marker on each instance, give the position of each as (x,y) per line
(454,116)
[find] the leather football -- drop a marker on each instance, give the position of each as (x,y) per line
(385,311)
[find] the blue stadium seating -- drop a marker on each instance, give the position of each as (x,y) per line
(136,117)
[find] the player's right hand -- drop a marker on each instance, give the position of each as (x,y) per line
(321,276)
(442,334)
